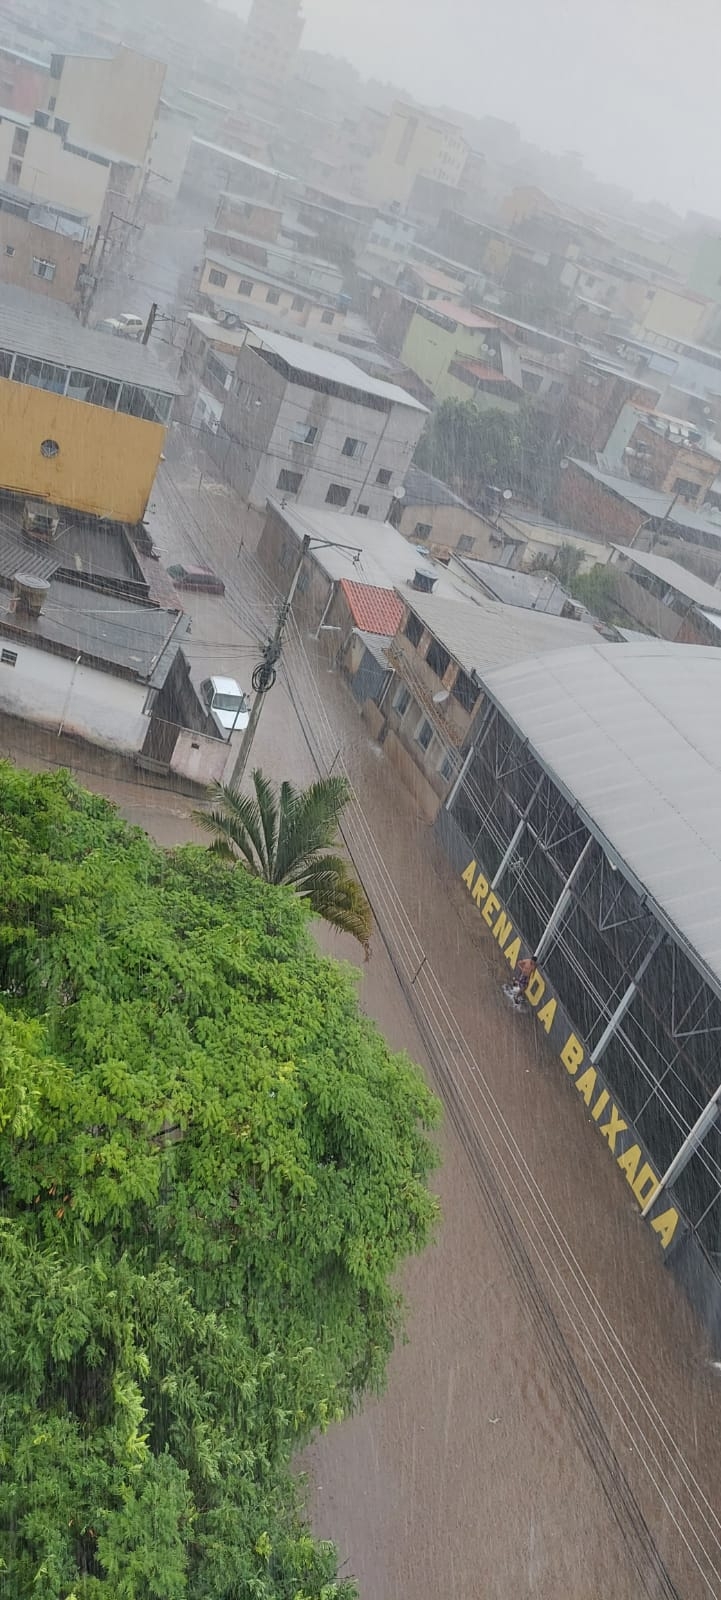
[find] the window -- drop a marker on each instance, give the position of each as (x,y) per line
(15,171)
(44,269)
(147,404)
(465,691)
(555,388)
(49,448)
(413,629)
(401,700)
(9,249)
(20,140)
(273,297)
(438,659)
(686,489)
(362,511)
(329,318)
(337,495)
(423,530)
(447,768)
(289,482)
(52,102)
(531,381)
(384,476)
(465,542)
(6,362)
(424,734)
(218,278)
(8,657)
(301,433)
(96,391)
(40,374)
(355,448)
(298,303)
(245,286)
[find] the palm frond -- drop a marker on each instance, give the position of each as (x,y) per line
(269,814)
(337,898)
(237,826)
(312,818)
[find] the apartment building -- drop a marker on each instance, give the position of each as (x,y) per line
(414,144)
(302,423)
(42,247)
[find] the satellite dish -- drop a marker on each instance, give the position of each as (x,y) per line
(508,494)
(399,492)
(439,699)
(564,463)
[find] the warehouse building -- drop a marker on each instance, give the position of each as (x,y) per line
(585,826)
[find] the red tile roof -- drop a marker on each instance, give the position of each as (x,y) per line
(374,610)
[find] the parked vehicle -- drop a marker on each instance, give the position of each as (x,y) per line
(200,579)
(227,703)
(127,326)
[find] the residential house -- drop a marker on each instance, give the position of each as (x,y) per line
(168,157)
(39,157)
(542,539)
(308,424)
(539,591)
(431,514)
(43,248)
(83,416)
(462,354)
(596,394)
(666,599)
(664,452)
(212,167)
(621,511)
(247,214)
(415,144)
(440,648)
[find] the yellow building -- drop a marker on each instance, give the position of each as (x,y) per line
(461,355)
(415,144)
(83,415)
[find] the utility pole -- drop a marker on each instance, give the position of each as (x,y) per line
(264,675)
(152,314)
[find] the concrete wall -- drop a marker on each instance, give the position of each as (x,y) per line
(50,171)
(201,759)
(106,462)
(112,104)
(51,691)
(583,503)
(169,151)
(267,414)
(448,525)
(23,83)
(278,551)
(26,240)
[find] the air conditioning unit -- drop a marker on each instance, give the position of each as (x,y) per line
(40,521)
(30,594)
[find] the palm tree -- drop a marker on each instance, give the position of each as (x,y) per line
(283,835)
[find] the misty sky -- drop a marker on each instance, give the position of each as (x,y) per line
(632,84)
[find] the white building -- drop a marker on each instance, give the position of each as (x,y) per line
(302,423)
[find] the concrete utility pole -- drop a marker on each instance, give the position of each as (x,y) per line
(264,675)
(152,314)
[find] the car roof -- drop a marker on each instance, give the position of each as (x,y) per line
(226,685)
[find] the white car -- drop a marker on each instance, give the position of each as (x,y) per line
(127,326)
(227,704)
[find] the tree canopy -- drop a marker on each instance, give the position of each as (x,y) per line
(211,1164)
(473,447)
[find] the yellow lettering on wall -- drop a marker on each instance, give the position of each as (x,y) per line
(490,908)
(547,1015)
(586,1084)
(469,874)
(665,1226)
(502,927)
(513,952)
(536,988)
(572,1054)
(601,1104)
(645,1184)
(481,889)
(628,1162)
(613,1127)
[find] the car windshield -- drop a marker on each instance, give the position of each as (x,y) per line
(228,702)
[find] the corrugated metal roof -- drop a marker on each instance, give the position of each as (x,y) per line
(334,369)
(677,577)
(47,330)
(373,609)
(631,732)
(104,627)
(653,503)
(422,489)
(482,634)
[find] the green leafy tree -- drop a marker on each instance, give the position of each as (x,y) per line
(471,448)
(283,835)
(210,1168)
